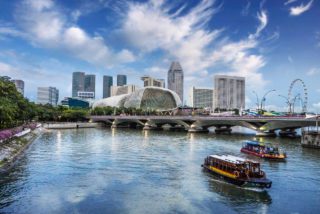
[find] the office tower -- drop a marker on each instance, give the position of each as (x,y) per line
(201,97)
(149,81)
(125,89)
(19,86)
(77,83)
(90,83)
(107,83)
(121,80)
(229,92)
(175,79)
(48,95)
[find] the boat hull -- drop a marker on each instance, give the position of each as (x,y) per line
(261,183)
(266,156)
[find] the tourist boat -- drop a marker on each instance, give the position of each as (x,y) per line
(263,151)
(236,170)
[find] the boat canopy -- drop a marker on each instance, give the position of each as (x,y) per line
(231,159)
(252,143)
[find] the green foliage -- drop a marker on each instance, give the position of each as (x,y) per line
(16,110)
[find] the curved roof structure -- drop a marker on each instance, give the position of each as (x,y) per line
(145,98)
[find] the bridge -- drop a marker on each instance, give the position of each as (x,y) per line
(264,126)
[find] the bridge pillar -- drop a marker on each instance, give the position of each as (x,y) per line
(223,130)
(269,133)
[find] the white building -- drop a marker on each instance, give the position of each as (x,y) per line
(19,86)
(125,89)
(150,81)
(48,95)
(229,92)
(85,94)
(201,97)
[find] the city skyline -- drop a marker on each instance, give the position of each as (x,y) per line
(264,43)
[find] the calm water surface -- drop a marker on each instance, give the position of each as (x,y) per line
(132,171)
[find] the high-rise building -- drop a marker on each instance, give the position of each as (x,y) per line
(175,79)
(229,92)
(82,82)
(77,83)
(19,86)
(201,97)
(48,95)
(149,81)
(107,83)
(90,83)
(121,80)
(125,89)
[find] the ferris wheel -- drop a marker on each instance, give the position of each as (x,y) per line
(291,97)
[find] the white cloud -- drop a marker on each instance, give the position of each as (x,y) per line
(298,10)
(184,37)
(289,2)
(263,19)
(313,71)
(47,27)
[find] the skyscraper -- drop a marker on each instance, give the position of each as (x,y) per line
(107,83)
(229,92)
(48,95)
(19,85)
(125,89)
(175,79)
(90,83)
(121,80)
(77,83)
(201,97)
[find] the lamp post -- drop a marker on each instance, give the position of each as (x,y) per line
(293,102)
(288,102)
(257,100)
(263,100)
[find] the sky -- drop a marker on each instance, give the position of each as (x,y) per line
(269,42)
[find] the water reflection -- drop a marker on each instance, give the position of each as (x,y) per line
(239,197)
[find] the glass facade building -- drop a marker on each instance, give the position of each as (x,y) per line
(175,79)
(48,95)
(107,83)
(121,80)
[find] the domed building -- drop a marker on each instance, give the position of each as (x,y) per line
(146,98)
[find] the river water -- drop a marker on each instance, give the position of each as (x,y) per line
(135,171)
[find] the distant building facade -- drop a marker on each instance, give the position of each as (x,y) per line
(107,83)
(75,102)
(121,80)
(229,92)
(86,95)
(175,79)
(90,83)
(77,83)
(48,95)
(125,89)
(149,81)
(19,86)
(201,97)
(82,82)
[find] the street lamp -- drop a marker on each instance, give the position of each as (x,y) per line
(257,100)
(263,100)
(288,102)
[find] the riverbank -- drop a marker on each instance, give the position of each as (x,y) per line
(11,150)
(70,125)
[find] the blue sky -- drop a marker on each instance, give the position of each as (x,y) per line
(270,42)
